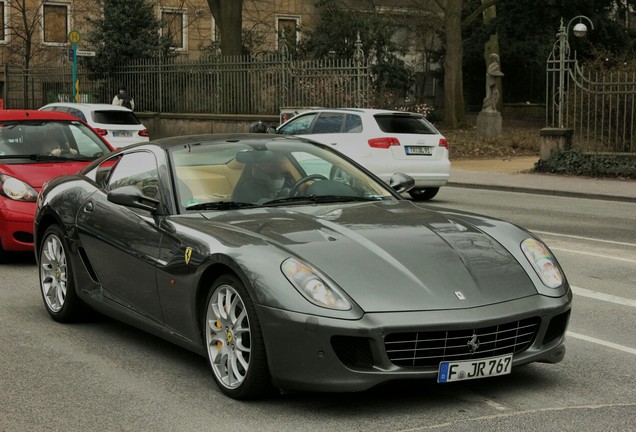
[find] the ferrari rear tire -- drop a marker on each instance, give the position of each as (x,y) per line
(234,341)
(423,194)
(56,279)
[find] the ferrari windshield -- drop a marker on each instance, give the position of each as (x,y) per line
(44,139)
(274,172)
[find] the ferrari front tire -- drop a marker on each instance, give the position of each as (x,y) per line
(234,341)
(56,279)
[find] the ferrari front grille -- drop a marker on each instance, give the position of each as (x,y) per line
(428,349)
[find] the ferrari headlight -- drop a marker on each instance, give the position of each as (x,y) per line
(543,262)
(313,287)
(17,189)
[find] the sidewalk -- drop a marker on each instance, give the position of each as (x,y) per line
(514,175)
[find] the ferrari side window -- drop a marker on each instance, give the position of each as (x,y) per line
(138,169)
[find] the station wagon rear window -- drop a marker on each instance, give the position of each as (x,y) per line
(403,124)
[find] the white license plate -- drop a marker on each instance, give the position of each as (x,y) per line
(472,369)
(123,134)
(418,150)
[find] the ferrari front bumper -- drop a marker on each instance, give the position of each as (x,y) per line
(308,352)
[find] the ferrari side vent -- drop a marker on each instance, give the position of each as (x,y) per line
(354,352)
(428,349)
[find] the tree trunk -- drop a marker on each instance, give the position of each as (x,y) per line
(228,16)
(453,78)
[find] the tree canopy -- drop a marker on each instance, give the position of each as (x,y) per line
(126,30)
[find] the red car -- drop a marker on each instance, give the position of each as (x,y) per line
(36,146)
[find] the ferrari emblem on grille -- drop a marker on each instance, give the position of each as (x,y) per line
(188,255)
(473,344)
(460,295)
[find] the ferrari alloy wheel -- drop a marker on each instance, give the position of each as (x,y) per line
(56,280)
(234,341)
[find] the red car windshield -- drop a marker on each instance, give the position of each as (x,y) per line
(49,138)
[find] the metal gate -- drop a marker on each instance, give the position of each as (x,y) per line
(600,107)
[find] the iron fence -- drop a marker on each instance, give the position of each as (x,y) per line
(215,85)
(599,107)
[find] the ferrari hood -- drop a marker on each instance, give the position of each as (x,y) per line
(396,257)
(36,174)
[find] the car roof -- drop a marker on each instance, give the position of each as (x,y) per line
(370,111)
(89,106)
(34,115)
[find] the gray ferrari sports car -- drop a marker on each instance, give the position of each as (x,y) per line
(291,267)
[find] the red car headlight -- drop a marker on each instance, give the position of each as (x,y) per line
(17,189)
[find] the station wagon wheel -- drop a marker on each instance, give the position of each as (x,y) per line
(423,194)
(234,341)
(56,278)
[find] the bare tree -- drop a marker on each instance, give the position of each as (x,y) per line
(25,26)
(454,114)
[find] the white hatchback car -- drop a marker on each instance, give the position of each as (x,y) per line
(118,125)
(384,142)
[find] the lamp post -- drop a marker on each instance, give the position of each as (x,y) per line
(579,30)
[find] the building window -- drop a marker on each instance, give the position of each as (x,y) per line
(55,23)
(287,27)
(173,26)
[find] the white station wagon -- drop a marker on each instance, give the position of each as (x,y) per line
(118,125)
(384,142)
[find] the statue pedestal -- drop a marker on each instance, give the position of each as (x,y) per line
(489,124)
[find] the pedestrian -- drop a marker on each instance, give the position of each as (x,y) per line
(122,98)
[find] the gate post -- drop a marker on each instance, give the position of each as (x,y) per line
(553,139)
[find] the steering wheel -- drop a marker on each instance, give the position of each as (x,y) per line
(294,190)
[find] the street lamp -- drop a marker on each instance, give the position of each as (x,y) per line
(579,30)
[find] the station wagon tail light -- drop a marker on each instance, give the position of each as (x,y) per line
(443,143)
(384,142)
(17,190)
(102,132)
(312,286)
(143,133)
(543,262)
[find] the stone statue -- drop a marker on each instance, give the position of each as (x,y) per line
(492,75)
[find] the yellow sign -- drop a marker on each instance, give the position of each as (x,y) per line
(74,36)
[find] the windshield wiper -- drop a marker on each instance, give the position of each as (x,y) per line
(35,157)
(220,205)
(320,199)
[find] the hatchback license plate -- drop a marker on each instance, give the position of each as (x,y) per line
(418,151)
(126,134)
(472,369)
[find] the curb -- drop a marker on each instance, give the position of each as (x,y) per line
(536,191)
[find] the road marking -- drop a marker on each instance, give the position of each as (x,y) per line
(585,238)
(602,342)
(472,420)
(614,258)
(604,297)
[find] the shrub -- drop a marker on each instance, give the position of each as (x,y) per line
(573,162)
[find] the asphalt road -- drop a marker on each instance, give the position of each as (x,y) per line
(106,376)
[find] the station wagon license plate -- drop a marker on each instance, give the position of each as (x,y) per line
(122,134)
(418,150)
(473,369)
